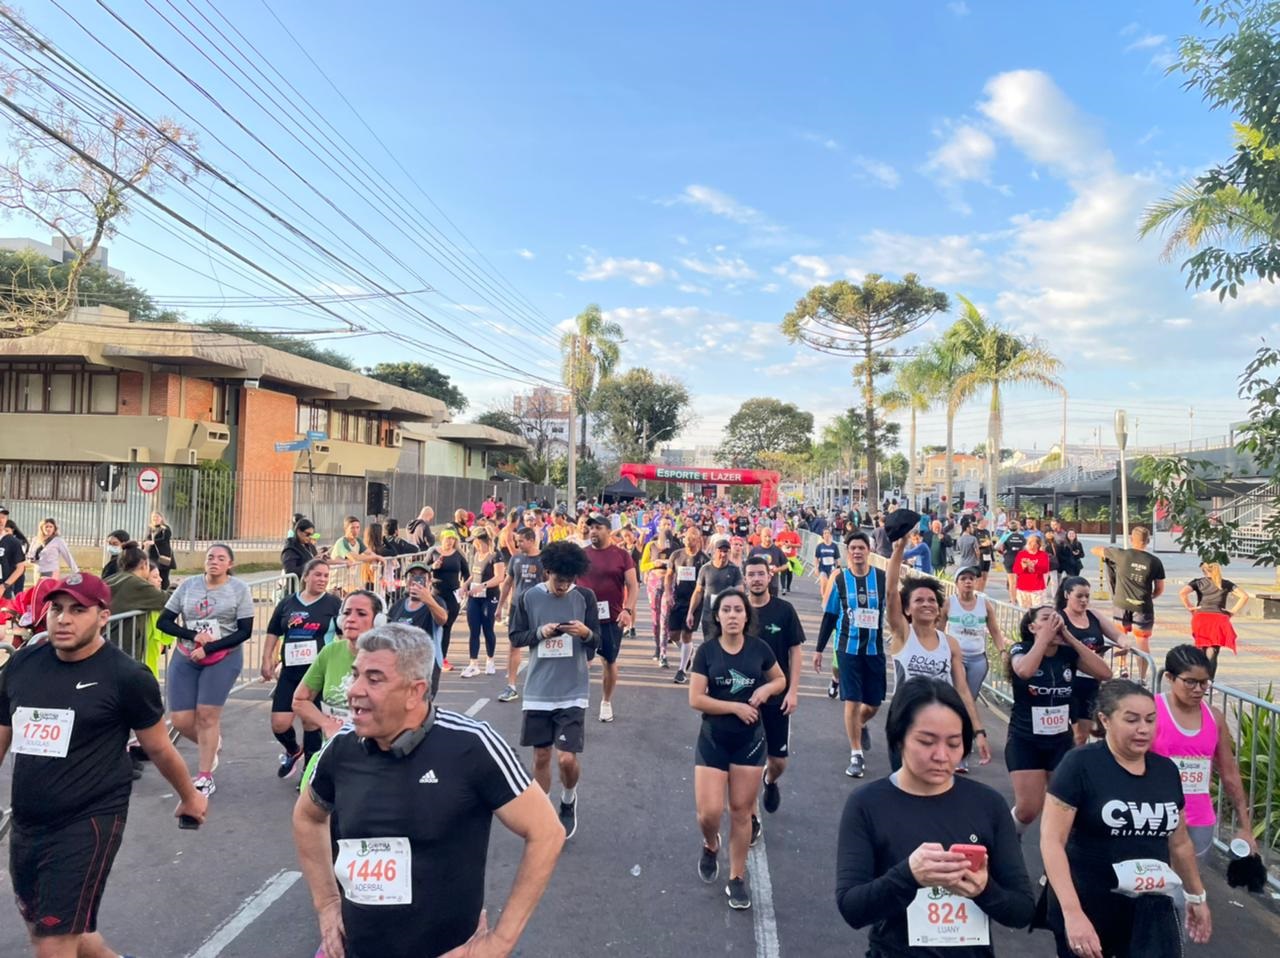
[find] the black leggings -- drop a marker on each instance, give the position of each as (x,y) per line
(450,603)
(480,614)
(1211,652)
(786,578)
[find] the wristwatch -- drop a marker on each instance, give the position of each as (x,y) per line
(1199,899)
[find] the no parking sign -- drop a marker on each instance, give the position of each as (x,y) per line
(149,479)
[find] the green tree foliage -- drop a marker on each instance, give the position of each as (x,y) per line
(1000,359)
(1185,484)
(497,419)
(420,378)
(590,475)
(764,424)
(591,351)
(863,320)
(1237,203)
(288,344)
(26,272)
(639,410)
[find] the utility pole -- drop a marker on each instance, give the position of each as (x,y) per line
(572,435)
(1191,426)
(1122,438)
(1062,447)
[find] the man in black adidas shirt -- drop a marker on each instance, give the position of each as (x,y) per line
(778,625)
(412,884)
(67,708)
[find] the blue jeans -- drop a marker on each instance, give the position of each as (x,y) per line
(480,615)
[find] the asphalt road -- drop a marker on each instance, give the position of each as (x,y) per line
(626,884)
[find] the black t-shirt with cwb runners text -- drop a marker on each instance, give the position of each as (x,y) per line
(1119,816)
(733,677)
(295,621)
(109,694)
(779,626)
(526,572)
(1136,573)
(1050,687)
(441,797)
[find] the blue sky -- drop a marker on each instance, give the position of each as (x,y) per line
(694,168)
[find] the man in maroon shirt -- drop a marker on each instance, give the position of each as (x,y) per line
(612,577)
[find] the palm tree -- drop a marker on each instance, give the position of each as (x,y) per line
(590,356)
(918,385)
(952,362)
(1000,359)
(1192,218)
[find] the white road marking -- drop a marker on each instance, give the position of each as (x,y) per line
(248,912)
(476,706)
(766,925)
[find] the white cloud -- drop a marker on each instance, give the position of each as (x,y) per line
(1252,295)
(684,337)
(720,204)
(722,268)
(965,155)
(1029,108)
(1146,42)
(944,260)
(805,270)
(1177,322)
(1129,29)
(525,253)
(877,170)
(959,8)
(638,271)
(820,139)
(694,288)
(770,288)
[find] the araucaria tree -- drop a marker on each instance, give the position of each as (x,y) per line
(863,320)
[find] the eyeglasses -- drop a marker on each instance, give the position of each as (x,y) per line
(1205,684)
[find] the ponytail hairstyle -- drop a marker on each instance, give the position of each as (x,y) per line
(1214,572)
(1110,695)
(132,557)
(1184,658)
(1068,585)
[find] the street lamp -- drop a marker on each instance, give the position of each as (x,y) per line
(1122,438)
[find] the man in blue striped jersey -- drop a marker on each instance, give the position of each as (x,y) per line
(854,613)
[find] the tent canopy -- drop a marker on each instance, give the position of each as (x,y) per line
(621,491)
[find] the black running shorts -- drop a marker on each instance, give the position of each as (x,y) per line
(777,729)
(286,685)
(59,874)
(562,729)
(1036,753)
(721,750)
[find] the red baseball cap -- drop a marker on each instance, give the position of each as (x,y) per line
(84,588)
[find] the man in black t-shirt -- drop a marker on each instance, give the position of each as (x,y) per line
(67,708)
(360,823)
(773,555)
(778,625)
(1139,581)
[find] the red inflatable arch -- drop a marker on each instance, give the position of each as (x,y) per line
(766,479)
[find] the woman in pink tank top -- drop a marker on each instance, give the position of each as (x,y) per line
(1194,735)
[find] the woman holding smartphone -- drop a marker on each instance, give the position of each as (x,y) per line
(932,876)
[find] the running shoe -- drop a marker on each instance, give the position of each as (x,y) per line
(289,764)
(204,785)
(756,830)
(680,678)
(606,711)
(709,865)
(662,662)
(569,817)
(833,689)
(490,668)
(470,672)
(857,766)
(445,666)
(509,694)
(772,796)
(866,739)
(739,897)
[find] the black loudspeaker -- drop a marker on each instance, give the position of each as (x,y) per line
(377,499)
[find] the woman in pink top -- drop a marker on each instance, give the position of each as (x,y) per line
(1194,735)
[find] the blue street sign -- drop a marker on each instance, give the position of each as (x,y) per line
(297,445)
(316,436)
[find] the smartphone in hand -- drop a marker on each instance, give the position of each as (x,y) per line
(976,854)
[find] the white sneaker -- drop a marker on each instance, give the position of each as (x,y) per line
(204,785)
(606,711)
(490,668)
(470,672)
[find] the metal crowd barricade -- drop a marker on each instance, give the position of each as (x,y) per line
(1254,724)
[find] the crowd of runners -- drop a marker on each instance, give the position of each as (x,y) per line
(927,857)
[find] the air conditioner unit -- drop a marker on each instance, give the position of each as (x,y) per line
(395,439)
(139,454)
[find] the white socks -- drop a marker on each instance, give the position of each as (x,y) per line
(1018,825)
(569,795)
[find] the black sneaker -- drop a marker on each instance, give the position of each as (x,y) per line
(288,764)
(739,897)
(833,689)
(866,739)
(680,678)
(857,767)
(772,796)
(756,830)
(569,817)
(709,865)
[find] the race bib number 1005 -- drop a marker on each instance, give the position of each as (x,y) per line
(1050,719)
